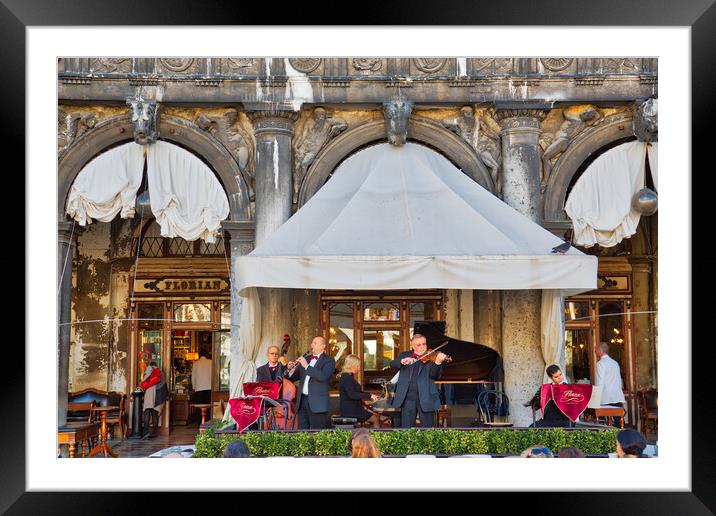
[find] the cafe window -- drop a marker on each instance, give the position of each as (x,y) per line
(150,322)
(192,312)
(340,334)
(381,312)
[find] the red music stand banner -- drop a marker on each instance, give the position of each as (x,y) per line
(571,399)
(245,411)
(268,389)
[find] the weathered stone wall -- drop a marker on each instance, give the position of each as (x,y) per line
(488,318)
(91,309)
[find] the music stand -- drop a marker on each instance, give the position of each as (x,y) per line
(262,411)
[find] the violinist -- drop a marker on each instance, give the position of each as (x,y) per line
(416,392)
(314,369)
(351,394)
(273,370)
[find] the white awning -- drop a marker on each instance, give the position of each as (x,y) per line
(405,217)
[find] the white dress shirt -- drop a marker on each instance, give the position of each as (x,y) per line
(305,381)
(201,375)
(610,380)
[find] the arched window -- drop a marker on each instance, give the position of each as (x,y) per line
(154,245)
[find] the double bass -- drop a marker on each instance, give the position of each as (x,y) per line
(284,417)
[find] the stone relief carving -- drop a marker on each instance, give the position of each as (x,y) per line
(240,62)
(111,65)
(227,129)
(397,115)
(646,121)
(429,64)
(318,130)
(305,64)
(176,64)
(372,64)
(576,120)
(145,120)
(619,65)
(556,64)
(71,126)
(483,135)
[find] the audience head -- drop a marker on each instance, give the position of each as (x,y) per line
(363,446)
(571,453)
(538,451)
(237,449)
(630,444)
(555,373)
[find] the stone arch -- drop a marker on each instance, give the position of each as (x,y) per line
(420,130)
(171,129)
(613,128)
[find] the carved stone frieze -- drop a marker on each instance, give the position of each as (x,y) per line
(71,125)
(176,64)
(575,120)
(318,130)
(520,117)
(619,65)
(556,64)
(226,128)
(397,115)
(429,64)
(482,133)
(111,65)
(145,115)
(367,64)
(305,64)
(273,120)
(646,121)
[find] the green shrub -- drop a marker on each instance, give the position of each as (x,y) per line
(436,441)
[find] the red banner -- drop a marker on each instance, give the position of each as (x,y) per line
(268,389)
(571,399)
(245,411)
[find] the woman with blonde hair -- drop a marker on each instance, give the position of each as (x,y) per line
(363,446)
(538,451)
(351,394)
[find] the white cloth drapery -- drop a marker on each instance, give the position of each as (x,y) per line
(242,366)
(107,185)
(552,334)
(600,202)
(186,199)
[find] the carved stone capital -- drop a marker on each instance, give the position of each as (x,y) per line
(66,233)
(397,116)
(242,234)
(145,115)
(646,121)
(515,118)
(273,121)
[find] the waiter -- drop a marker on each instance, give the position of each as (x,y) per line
(416,392)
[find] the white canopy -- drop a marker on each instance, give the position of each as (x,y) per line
(405,217)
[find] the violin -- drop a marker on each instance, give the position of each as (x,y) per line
(430,356)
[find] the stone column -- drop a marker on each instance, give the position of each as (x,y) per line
(241,235)
(274,195)
(66,239)
(521,350)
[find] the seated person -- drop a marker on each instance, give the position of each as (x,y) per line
(552,416)
(351,393)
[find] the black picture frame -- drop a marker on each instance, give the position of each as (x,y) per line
(17,15)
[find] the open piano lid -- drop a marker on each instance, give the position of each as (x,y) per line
(470,361)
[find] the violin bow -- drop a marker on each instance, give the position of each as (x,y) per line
(434,350)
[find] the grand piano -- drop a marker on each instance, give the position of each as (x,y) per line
(474,367)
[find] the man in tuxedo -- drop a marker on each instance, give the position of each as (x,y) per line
(416,392)
(273,370)
(314,372)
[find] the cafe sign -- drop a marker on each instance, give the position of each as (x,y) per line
(196,285)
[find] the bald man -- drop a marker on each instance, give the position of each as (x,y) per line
(314,372)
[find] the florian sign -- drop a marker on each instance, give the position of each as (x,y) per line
(181,286)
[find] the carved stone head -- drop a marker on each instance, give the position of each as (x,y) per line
(467,112)
(397,116)
(319,114)
(646,121)
(144,118)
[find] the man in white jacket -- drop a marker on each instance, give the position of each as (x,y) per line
(610,380)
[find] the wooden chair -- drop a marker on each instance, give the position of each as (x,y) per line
(648,402)
(83,412)
(104,398)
